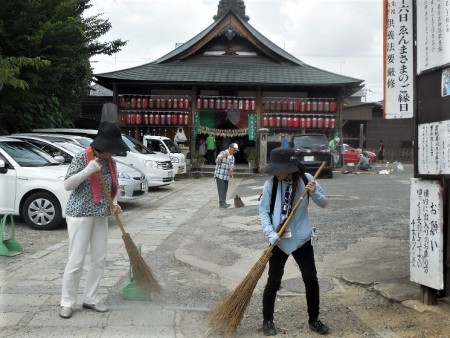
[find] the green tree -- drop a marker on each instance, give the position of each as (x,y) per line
(45,46)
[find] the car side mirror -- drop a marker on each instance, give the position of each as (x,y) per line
(3,169)
(59,158)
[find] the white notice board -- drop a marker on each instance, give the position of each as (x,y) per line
(426,233)
(433,34)
(433,147)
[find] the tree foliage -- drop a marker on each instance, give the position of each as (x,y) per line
(45,46)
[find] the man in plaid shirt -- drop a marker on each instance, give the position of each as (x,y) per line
(224,167)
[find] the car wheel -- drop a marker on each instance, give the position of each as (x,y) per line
(42,211)
(330,173)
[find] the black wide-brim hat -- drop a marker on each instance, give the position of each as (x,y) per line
(281,162)
(109,139)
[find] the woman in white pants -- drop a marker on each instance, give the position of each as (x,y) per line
(87,216)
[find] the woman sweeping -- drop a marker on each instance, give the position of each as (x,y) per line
(87,216)
(280,193)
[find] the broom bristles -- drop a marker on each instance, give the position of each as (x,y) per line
(141,271)
(238,202)
(227,315)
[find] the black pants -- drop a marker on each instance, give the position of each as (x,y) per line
(222,189)
(211,156)
(304,256)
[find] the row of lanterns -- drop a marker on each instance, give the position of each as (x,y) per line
(295,121)
(153,102)
(157,118)
(247,104)
(301,105)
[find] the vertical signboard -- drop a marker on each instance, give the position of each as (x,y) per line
(398,59)
(433,148)
(196,123)
(251,127)
(426,233)
(433,34)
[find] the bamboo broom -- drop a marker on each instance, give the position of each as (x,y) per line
(227,315)
(141,271)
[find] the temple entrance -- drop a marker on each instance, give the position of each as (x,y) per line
(226,127)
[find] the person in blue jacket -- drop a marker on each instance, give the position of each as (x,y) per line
(297,240)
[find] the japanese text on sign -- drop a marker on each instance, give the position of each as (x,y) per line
(426,233)
(433,34)
(434,148)
(398,72)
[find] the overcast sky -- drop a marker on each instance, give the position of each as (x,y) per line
(341,36)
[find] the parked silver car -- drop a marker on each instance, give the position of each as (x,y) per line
(132,182)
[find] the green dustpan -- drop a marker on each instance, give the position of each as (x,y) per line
(9,247)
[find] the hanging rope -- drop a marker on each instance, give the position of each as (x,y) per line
(223,132)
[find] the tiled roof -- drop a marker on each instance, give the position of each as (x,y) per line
(229,69)
(229,73)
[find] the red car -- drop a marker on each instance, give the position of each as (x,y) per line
(351,155)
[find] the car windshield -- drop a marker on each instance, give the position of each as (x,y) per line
(310,141)
(135,146)
(84,141)
(173,148)
(73,148)
(27,155)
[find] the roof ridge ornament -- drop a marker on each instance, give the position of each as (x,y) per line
(237,6)
(230,31)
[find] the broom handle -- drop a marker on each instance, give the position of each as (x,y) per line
(111,204)
(234,183)
(291,214)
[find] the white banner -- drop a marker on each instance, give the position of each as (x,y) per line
(426,233)
(399,60)
(433,34)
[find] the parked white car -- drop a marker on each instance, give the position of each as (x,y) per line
(164,145)
(157,168)
(132,182)
(33,182)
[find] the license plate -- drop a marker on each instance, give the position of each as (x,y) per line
(144,186)
(308,158)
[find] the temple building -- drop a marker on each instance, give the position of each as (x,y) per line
(228,81)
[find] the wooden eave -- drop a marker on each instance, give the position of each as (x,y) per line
(230,19)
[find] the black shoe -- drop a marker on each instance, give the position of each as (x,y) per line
(269,328)
(225,205)
(318,326)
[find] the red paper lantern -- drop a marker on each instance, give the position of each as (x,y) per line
(145,102)
(333,106)
(320,105)
(157,119)
(320,122)
(308,123)
(289,122)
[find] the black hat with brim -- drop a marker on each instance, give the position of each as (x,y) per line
(109,139)
(281,162)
